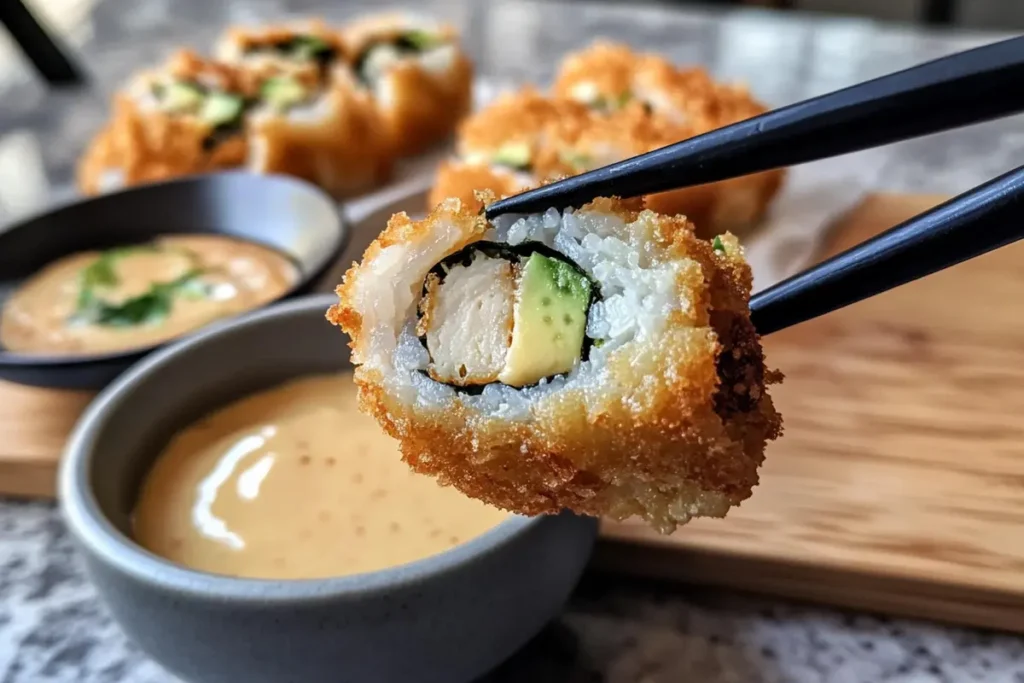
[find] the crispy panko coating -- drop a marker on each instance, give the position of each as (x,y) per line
(673,426)
(523,118)
(422,98)
(462,180)
(143,144)
(609,76)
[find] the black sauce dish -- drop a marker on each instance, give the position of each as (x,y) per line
(287,214)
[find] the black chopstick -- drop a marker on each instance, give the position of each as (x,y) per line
(39,46)
(958,90)
(981,220)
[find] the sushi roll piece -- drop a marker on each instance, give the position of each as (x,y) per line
(325,130)
(293,46)
(510,146)
(184,117)
(600,360)
(735,205)
(418,74)
(623,86)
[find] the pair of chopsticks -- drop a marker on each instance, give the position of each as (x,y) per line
(962,89)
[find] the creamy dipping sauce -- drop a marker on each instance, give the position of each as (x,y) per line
(95,302)
(296,483)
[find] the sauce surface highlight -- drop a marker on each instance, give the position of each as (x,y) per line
(136,296)
(296,483)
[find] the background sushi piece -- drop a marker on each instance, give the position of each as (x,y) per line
(609,103)
(418,74)
(184,117)
(327,131)
(625,86)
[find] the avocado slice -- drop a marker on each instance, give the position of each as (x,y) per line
(578,161)
(419,40)
(221,108)
(550,321)
(282,93)
(308,47)
(515,155)
(181,97)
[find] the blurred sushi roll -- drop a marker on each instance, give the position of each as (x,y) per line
(187,116)
(510,146)
(623,87)
(417,73)
(325,130)
(293,46)
(600,360)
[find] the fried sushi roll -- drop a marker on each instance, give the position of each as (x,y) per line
(184,117)
(624,86)
(418,74)
(510,146)
(599,360)
(325,130)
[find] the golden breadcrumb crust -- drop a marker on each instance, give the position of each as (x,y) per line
(525,117)
(676,428)
(462,180)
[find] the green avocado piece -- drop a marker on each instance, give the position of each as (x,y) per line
(308,47)
(578,161)
(419,40)
(181,97)
(515,155)
(282,93)
(550,321)
(221,108)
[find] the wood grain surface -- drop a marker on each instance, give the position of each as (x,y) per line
(897,487)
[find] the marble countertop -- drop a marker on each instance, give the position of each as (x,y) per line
(52,627)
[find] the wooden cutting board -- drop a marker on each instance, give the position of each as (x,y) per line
(899,483)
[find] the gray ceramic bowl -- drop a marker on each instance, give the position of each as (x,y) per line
(447,618)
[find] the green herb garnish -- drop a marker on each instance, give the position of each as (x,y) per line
(148,308)
(717,244)
(598,343)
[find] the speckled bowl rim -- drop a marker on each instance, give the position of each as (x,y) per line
(101,538)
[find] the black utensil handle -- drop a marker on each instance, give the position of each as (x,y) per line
(954,91)
(972,224)
(39,46)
